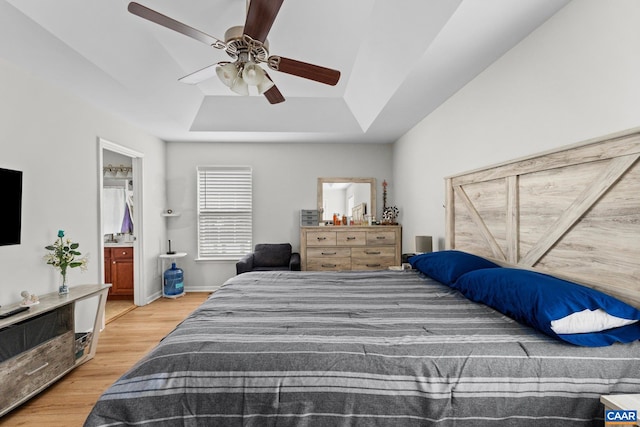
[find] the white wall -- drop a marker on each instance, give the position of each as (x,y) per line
(284,182)
(573,79)
(52,137)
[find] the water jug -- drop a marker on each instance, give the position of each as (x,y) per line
(173,280)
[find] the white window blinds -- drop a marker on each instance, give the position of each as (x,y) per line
(224,212)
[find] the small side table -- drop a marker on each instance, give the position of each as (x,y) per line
(621,401)
(170,258)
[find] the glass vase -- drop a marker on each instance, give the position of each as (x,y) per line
(63,289)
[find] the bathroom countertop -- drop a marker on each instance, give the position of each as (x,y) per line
(118,244)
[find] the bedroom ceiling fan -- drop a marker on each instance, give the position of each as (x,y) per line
(248,47)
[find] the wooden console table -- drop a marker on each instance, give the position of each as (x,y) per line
(41,345)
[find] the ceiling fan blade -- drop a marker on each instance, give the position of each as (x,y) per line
(165,21)
(302,69)
(273,95)
(260,17)
(200,75)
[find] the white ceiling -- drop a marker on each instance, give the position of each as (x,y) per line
(399,61)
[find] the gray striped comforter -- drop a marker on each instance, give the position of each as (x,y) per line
(361,349)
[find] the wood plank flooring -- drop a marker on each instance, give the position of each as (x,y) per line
(116,308)
(122,343)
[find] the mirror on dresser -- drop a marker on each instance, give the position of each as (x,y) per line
(353,197)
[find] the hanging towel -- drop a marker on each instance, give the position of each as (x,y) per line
(127,224)
(112,209)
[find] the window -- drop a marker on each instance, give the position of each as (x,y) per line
(224,212)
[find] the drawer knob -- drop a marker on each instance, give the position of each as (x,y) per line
(351,238)
(321,238)
(380,237)
(329,265)
(329,253)
(372,252)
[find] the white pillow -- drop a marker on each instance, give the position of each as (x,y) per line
(586,321)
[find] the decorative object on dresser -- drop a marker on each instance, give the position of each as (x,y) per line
(41,344)
(350,248)
(63,254)
(29,299)
(389,213)
(309,217)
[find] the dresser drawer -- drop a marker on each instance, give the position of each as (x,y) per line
(122,252)
(329,264)
(373,252)
(373,258)
(32,370)
(321,238)
(351,238)
(329,259)
(381,238)
(328,252)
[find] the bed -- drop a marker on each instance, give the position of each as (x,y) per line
(401,348)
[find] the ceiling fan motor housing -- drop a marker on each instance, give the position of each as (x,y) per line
(237,43)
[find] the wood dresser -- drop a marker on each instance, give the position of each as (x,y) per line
(337,248)
(39,346)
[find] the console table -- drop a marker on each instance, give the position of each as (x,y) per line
(40,345)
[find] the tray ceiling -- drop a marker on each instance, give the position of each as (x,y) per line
(399,61)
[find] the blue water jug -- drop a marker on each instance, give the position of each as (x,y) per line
(173,280)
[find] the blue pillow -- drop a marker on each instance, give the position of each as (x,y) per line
(447,266)
(553,306)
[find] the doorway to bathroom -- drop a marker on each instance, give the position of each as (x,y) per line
(120,225)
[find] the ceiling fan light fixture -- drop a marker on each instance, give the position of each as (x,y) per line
(227,73)
(240,87)
(253,74)
(265,85)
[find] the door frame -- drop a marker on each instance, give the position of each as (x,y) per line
(137,160)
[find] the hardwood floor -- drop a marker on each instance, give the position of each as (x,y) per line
(122,343)
(116,308)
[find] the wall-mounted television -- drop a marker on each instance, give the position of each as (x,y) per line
(11,206)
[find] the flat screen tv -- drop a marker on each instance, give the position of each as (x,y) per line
(11,206)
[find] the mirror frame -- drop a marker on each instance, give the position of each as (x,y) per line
(372,194)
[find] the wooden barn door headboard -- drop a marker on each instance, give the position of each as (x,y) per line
(573,213)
